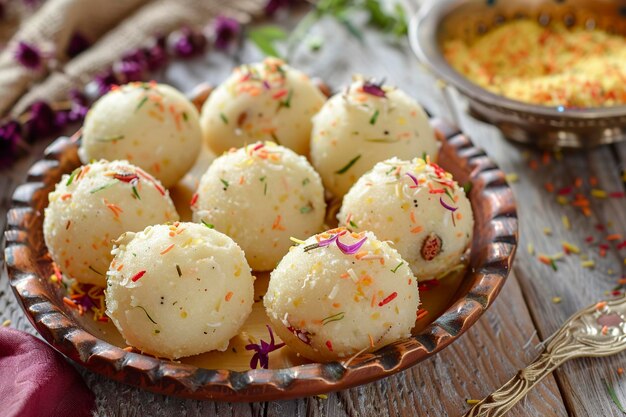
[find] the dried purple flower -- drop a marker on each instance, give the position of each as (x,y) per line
(128,70)
(414,179)
(78,43)
(273,6)
(10,136)
(447,206)
(187,42)
(28,55)
(350,249)
(79,106)
(105,80)
(263,350)
(43,120)
(374,89)
(226,31)
(156,56)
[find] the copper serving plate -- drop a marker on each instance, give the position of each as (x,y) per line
(544,126)
(212,377)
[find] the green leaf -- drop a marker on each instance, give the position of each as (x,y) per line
(265,37)
(613,395)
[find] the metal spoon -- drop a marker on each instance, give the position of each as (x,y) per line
(598,330)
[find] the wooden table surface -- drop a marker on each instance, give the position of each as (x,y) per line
(507,337)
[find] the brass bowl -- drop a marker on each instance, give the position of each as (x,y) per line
(29,268)
(442,20)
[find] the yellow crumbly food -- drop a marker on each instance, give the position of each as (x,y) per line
(552,66)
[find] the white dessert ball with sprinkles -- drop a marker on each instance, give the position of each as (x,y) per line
(262,101)
(178,290)
(261,195)
(419,207)
(151,125)
(94,205)
(340,293)
(365,124)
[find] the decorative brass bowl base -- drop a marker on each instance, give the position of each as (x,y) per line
(542,126)
(29,268)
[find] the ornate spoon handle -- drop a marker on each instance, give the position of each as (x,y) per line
(598,330)
(502,400)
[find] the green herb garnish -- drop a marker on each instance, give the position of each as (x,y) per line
(467,187)
(275,138)
(397,266)
(209,225)
(287,102)
(225,184)
(330,319)
(349,165)
(305,181)
(95,270)
(382,140)
(136,193)
(306,209)
(110,138)
(553,265)
(72,176)
(353,224)
(224,118)
(374,117)
(185,117)
(104,187)
(141,103)
(144,310)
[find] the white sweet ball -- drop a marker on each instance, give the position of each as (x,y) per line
(419,207)
(363,125)
(330,302)
(95,205)
(262,101)
(178,290)
(261,195)
(151,125)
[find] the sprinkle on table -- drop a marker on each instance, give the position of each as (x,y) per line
(511,177)
(590,263)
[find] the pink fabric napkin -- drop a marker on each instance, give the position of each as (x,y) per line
(37,381)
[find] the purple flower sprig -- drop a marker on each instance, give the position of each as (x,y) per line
(226,30)
(78,43)
(29,55)
(10,137)
(262,351)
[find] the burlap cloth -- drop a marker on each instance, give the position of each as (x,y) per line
(114,27)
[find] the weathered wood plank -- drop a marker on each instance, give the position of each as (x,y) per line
(581,381)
